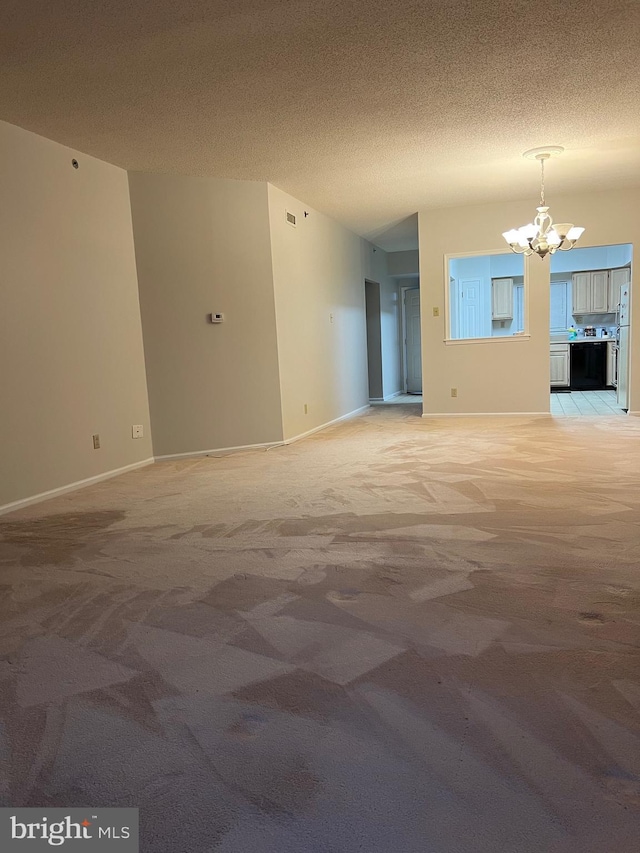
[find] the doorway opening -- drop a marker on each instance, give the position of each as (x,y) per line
(374,339)
(394,370)
(590,294)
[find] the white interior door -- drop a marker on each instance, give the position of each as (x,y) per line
(413,351)
(469,308)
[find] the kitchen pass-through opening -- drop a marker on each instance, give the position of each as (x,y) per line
(590,294)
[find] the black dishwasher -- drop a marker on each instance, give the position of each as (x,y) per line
(588,366)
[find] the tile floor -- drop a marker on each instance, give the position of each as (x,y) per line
(401,398)
(577,403)
(571,404)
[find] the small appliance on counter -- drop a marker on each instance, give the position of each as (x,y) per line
(604,333)
(589,331)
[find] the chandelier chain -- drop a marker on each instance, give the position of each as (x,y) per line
(542,182)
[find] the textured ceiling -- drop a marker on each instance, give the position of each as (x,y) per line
(364,109)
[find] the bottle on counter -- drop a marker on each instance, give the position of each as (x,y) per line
(573,334)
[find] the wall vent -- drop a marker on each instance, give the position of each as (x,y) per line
(291,218)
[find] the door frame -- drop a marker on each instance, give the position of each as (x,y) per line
(403,331)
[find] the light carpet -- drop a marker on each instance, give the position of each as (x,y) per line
(396,635)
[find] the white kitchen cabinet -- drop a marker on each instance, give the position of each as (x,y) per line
(502,299)
(559,367)
(611,363)
(616,279)
(590,292)
(581,302)
(600,292)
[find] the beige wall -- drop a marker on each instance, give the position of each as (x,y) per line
(202,246)
(509,374)
(319,289)
(71,356)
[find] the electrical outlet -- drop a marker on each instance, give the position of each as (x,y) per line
(454,392)
(331,318)
(436,311)
(96,442)
(306,409)
(136,431)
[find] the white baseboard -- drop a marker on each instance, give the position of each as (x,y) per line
(348,416)
(72,487)
(215,451)
(486,415)
(265,445)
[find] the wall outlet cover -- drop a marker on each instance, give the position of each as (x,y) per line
(96,441)
(137,431)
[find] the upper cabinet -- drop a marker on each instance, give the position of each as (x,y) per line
(616,279)
(502,299)
(591,292)
(598,292)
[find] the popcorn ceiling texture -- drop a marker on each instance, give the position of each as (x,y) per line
(395,635)
(366,110)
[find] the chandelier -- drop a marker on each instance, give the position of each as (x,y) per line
(542,237)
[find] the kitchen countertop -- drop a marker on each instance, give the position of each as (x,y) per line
(558,340)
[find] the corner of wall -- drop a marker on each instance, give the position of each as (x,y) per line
(203,246)
(318,280)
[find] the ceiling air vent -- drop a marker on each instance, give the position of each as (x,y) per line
(291,218)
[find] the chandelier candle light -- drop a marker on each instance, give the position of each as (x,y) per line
(542,237)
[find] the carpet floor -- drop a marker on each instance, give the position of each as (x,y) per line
(396,636)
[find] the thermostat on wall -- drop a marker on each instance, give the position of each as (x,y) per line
(216,318)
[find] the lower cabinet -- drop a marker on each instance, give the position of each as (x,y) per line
(559,357)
